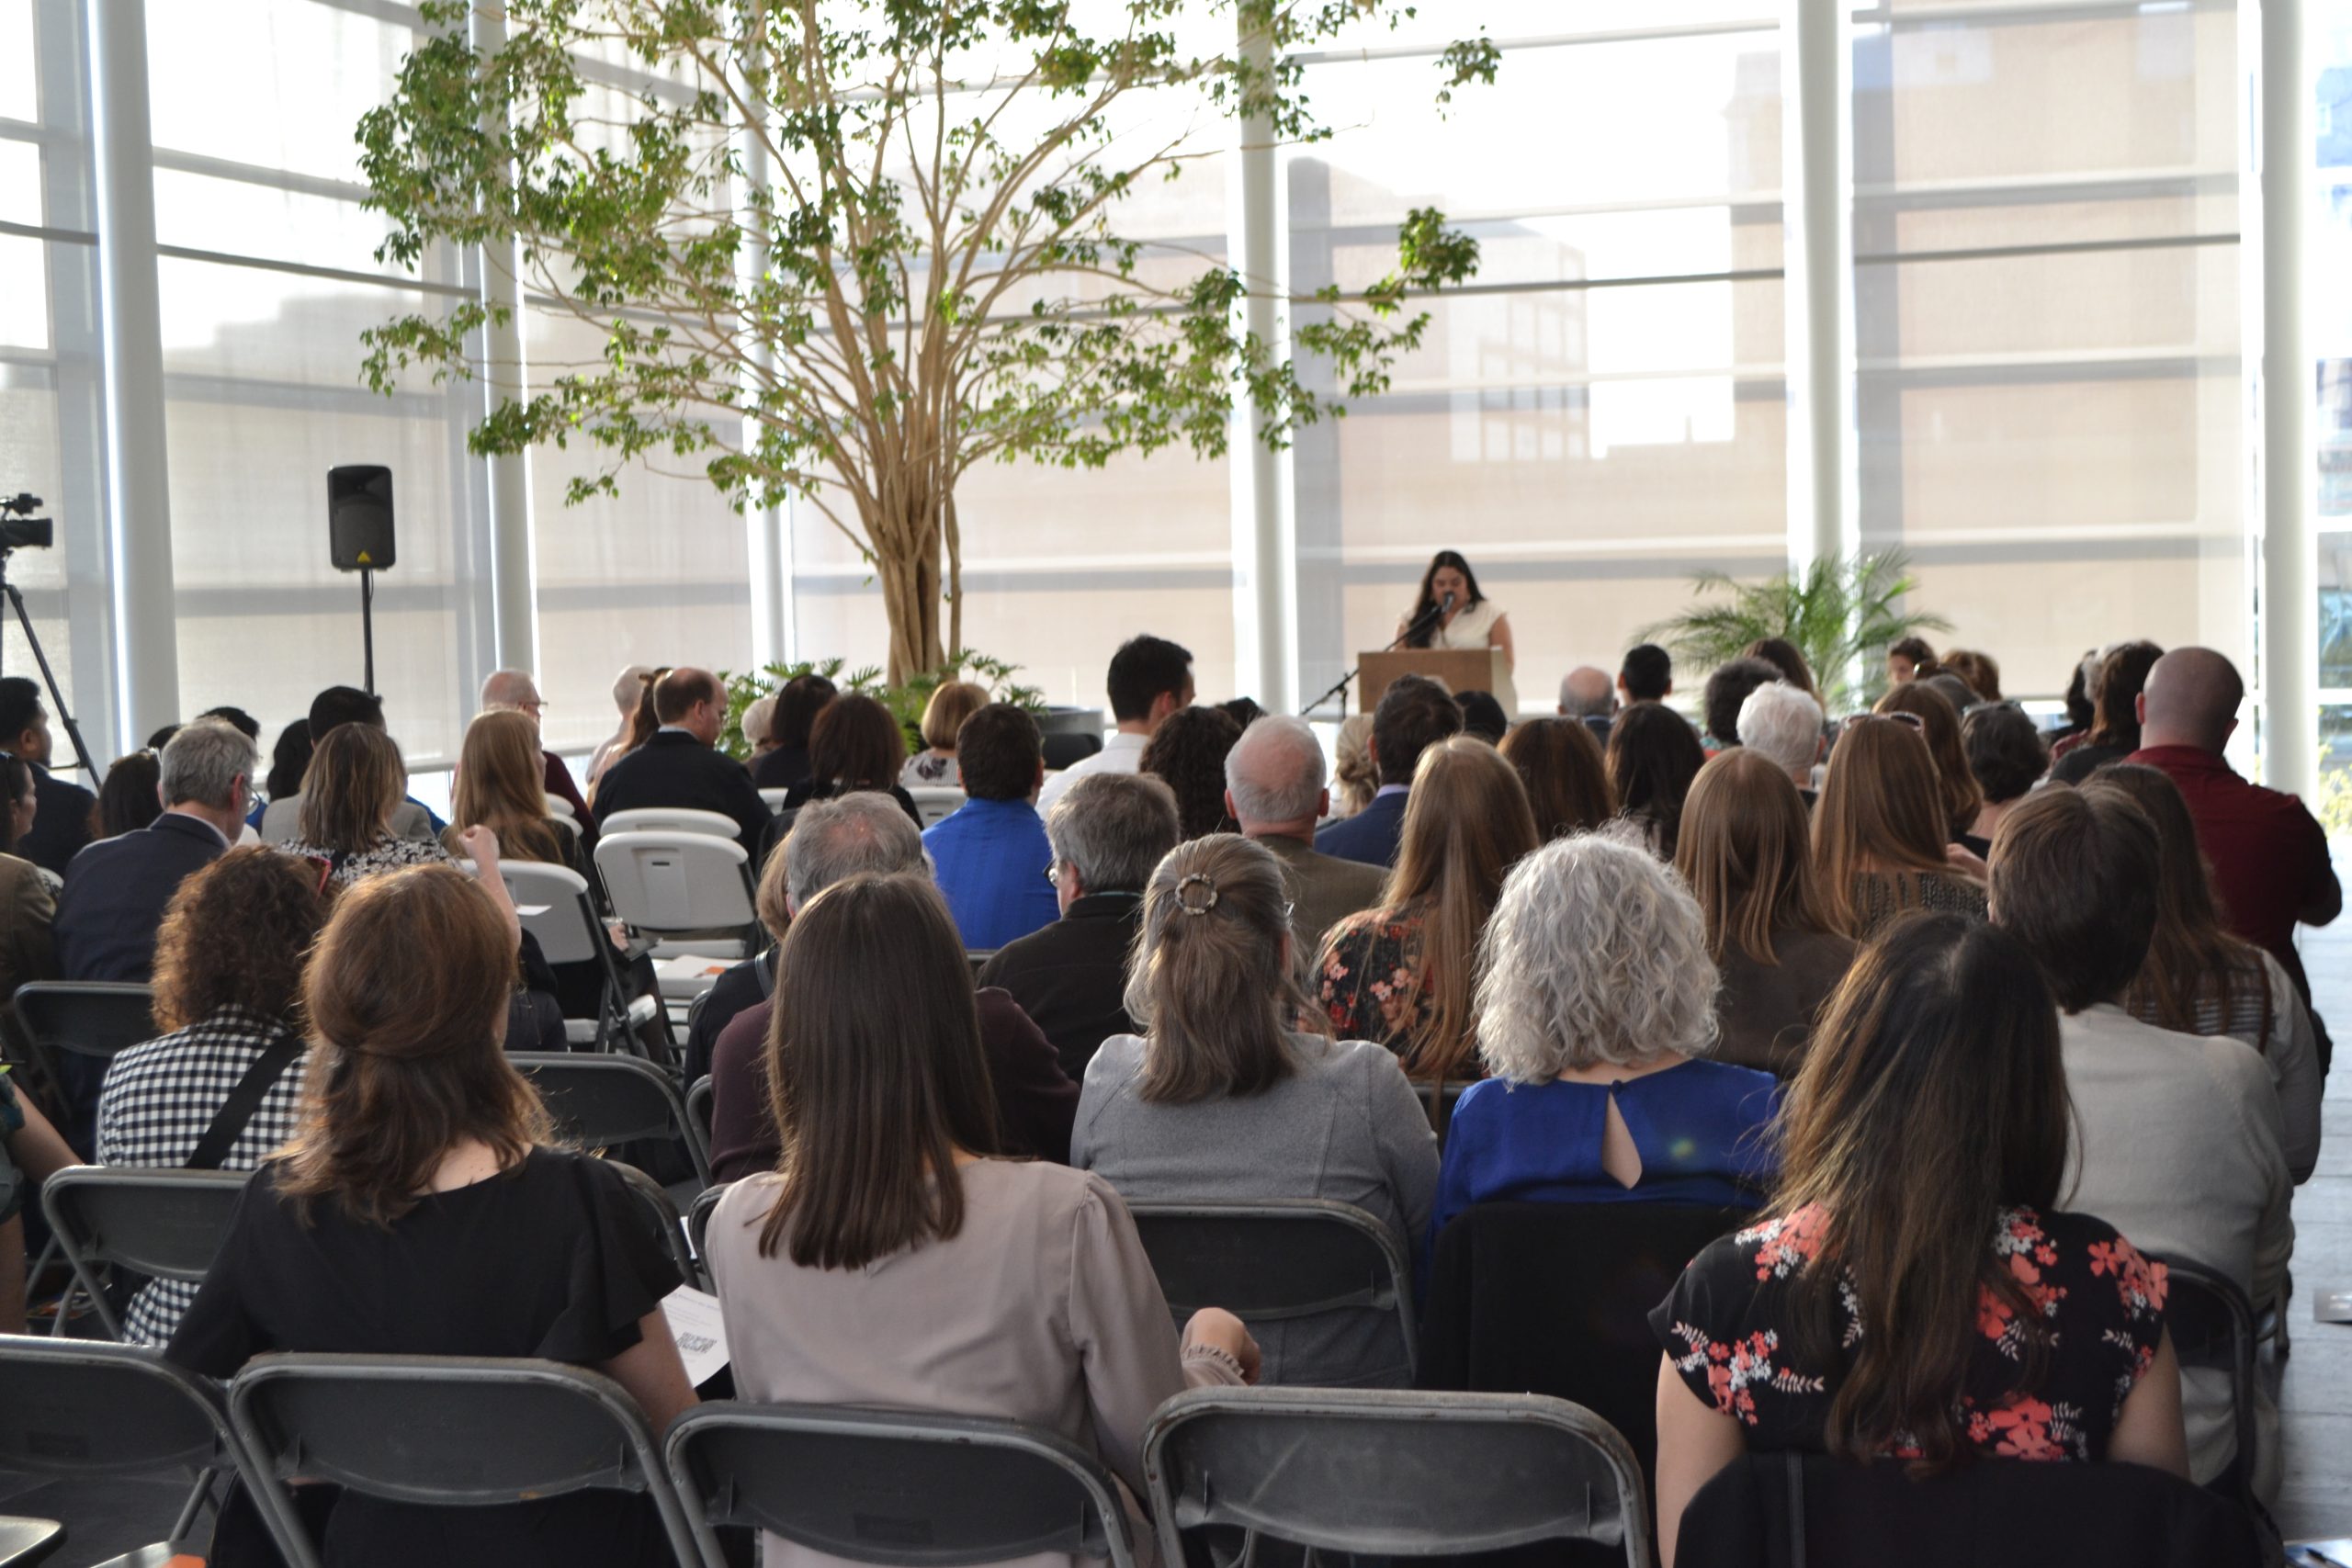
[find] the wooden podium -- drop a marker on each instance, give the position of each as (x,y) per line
(1462,669)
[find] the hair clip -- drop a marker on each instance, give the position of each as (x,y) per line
(1197,908)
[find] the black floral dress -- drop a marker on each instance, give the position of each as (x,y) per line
(1365,979)
(1725,1328)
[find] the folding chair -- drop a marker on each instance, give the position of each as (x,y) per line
(935,804)
(1388,1474)
(1279,1261)
(666,819)
(657,1197)
(455,1431)
(698,1221)
(558,806)
(555,906)
(72,1410)
(678,887)
(894,1486)
(1065,749)
(773,799)
(82,1021)
(2213,1330)
(164,1222)
(603,1101)
(24,1542)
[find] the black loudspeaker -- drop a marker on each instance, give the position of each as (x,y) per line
(359,517)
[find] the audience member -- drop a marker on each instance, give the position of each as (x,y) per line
(236,718)
(893,1259)
(1150,679)
(1788,658)
(2081,712)
(758,729)
(68,817)
(27,910)
(1951,688)
(2177,1137)
(1413,715)
(420,1209)
(1187,752)
(1560,763)
(220,1089)
(1983,675)
(1588,696)
(2006,757)
(1782,721)
(1354,774)
(1746,857)
(1653,757)
(1483,716)
(1071,977)
(1221,1097)
(1727,692)
(2269,856)
(1402,973)
(855,746)
(2114,733)
(1243,711)
(1646,675)
(644,723)
(797,708)
(350,797)
(1923,1158)
(1908,659)
(629,695)
(287,760)
(991,856)
(129,800)
(860,835)
(739,988)
(331,710)
(1273,788)
(501,786)
(2198,979)
(514,691)
(952,702)
(30,1152)
(1595,1018)
(1880,831)
(1955,783)
(678,768)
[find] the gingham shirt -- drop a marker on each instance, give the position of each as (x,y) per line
(159,1097)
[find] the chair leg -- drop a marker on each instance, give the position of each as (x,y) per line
(198,1499)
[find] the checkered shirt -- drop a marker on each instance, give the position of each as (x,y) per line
(159,1097)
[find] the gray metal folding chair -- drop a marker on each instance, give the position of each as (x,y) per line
(2212,1328)
(665,1209)
(1278,1260)
(607,1100)
(441,1431)
(1388,1474)
(699,1102)
(85,1017)
(698,1220)
(73,1410)
(894,1486)
(167,1224)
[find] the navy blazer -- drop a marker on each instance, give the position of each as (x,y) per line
(678,772)
(115,893)
(1371,835)
(61,822)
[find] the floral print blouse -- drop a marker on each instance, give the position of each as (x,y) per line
(1725,1328)
(1365,979)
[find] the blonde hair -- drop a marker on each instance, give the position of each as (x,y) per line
(350,790)
(1746,855)
(1881,811)
(1355,777)
(950,705)
(502,785)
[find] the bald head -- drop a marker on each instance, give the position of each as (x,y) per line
(1273,778)
(511,689)
(1586,693)
(2191,699)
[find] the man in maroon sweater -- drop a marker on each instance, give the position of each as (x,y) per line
(2269,855)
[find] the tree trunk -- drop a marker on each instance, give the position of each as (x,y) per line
(907,560)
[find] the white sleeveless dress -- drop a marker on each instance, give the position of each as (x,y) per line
(1475,628)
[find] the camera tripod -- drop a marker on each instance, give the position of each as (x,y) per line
(48,677)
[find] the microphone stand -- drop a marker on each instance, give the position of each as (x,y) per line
(1339,686)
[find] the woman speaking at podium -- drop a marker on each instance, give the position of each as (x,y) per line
(1452,613)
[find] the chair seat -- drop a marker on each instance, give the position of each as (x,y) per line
(163,1554)
(25,1541)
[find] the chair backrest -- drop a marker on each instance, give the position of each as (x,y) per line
(1439,1106)
(664,1211)
(935,803)
(85,1017)
(558,806)
(894,1487)
(1283,1259)
(698,1219)
(774,798)
(1391,1473)
(73,1408)
(442,1431)
(602,1101)
(554,906)
(165,1223)
(676,881)
(2212,1328)
(1063,748)
(672,820)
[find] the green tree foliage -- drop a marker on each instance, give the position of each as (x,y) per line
(905,699)
(1840,613)
(848,249)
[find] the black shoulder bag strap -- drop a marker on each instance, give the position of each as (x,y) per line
(228,1122)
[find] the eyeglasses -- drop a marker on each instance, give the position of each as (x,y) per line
(1910,720)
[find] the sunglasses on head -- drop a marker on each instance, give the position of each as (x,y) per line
(1911,720)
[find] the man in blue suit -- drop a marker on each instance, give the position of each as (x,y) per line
(1414,715)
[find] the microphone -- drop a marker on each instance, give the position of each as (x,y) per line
(1449,602)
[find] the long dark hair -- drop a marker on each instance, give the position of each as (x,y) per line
(875,1074)
(2192,957)
(797,708)
(2123,676)
(1933,1097)
(1653,758)
(856,744)
(1428,601)
(1566,777)
(288,760)
(127,801)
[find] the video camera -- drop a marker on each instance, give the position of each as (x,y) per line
(19,529)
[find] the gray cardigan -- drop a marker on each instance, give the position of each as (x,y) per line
(1346,1127)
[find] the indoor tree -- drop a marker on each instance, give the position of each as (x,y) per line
(848,249)
(1840,613)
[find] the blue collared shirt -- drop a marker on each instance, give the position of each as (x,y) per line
(992,857)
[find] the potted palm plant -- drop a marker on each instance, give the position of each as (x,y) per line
(1840,613)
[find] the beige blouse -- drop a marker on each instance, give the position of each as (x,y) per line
(1474,627)
(1043,1308)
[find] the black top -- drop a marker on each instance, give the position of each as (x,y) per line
(675,771)
(1072,977)
(809,790)
(61,822)
(556,1259)
(780,769)
(2081,762)
(738,986)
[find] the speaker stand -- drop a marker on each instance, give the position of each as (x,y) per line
(367,627)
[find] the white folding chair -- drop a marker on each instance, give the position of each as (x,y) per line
(774,798)
(555,906)
(679,888)
(558,806)
(935,804)
(662,819)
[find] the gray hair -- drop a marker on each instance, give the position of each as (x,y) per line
(1275,771)
(865,831)
(1595,953)
(507,689)
(1112,829)
(200,764)
(628,686)
(1783,723)
(759,718)
(1597,699)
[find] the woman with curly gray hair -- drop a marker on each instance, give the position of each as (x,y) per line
(1596,1013)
